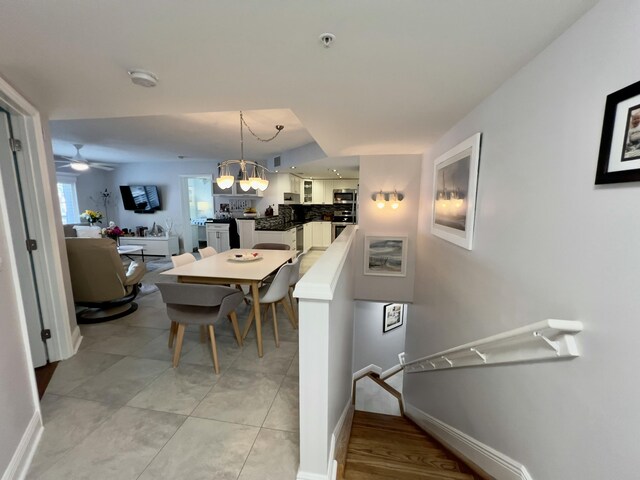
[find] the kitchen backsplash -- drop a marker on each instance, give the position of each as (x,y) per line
(286,214)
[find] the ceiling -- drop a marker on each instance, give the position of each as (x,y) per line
(397,77)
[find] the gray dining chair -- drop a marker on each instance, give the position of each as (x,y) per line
(204,305)
(270,295)
(272,246)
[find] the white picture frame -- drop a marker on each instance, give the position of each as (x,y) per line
(455,184)
(385,255)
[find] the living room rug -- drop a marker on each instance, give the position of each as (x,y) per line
(154,268)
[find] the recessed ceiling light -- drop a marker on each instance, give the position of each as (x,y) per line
(143,78)
(276,171)
(293,167)
(334,170)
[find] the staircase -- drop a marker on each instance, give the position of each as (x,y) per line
(388,447)
(385,447)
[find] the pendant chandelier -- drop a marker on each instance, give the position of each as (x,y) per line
(258,177)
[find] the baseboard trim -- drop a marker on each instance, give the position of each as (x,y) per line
(310,476)
(21,460)
(76,339)
(332,466)
(332,469)
(497,465)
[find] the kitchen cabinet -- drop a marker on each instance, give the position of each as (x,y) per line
(307,191)
(294,183)
(321,234)
(288,237)
(317,194)
(307,231)
(165,246)
(246,231)
(328,192)
(218,236)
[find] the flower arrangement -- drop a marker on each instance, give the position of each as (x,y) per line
(112,231)
(91,216)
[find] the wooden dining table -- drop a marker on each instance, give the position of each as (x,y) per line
(225,269)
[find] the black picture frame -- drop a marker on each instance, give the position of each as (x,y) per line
(392,317)
(604,175)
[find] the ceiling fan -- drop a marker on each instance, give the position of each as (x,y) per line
(79,163)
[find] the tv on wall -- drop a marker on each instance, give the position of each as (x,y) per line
(140,198)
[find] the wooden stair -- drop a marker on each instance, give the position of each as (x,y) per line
(386,447)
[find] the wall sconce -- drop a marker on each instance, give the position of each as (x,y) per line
(381,198)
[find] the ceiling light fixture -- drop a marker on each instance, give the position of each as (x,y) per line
(258,179)
(143,78)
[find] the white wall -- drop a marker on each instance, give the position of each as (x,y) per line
(388,173)
(548,245)
(89,186)
(370,345)
(166,176)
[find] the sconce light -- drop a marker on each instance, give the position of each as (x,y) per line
(381,198)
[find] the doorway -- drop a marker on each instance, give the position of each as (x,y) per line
(23,243)
(197,206)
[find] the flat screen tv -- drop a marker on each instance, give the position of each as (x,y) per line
(140,198)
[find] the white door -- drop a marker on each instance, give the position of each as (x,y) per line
(19,234)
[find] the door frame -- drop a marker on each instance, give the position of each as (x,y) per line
(187,237)
(45,224)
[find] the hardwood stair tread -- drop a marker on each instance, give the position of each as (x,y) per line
(378,434)
(397,424)
(433,459)
(388,447)
(395,473)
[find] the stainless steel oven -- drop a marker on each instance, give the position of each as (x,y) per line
(345,197)
(337,228)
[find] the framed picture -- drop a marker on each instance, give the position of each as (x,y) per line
(455,181)
(619,156)
(393,316)
(385,256)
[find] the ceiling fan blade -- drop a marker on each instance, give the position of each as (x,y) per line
(101,167)
(61,161)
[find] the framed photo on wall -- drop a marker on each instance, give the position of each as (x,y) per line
(393,316)
(619,156)
(385,256)
(455,182)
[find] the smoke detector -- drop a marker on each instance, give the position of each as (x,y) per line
(143,78)
(327,39)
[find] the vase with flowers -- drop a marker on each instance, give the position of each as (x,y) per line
(113,232)
(91,216)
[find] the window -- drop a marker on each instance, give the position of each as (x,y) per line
(68,198)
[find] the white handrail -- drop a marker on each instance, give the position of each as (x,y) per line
(546,340)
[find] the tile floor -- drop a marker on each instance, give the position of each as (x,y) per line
(118,410)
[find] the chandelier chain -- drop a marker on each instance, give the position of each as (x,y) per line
(279,128)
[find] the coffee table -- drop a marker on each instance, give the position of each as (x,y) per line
(128,250)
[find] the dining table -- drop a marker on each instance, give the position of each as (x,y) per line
(238,266)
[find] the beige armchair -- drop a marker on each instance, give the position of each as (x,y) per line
(99,280)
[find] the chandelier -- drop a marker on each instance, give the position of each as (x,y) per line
(257,179)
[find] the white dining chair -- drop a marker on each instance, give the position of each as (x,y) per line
(272,294)
(207,252)
(184,259)
(293,279)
